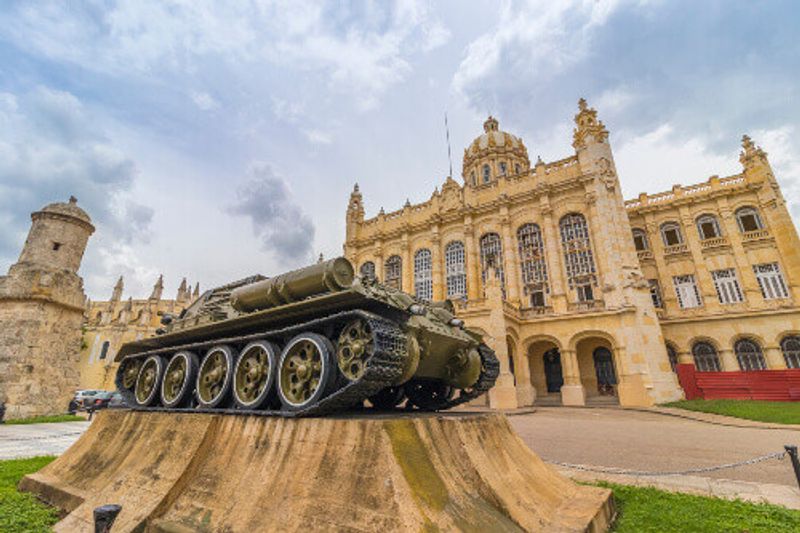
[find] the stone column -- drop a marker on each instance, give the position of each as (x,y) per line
(572,391)
(439,285)
(379,260)
(509,261)
(407,275)
(473,262)
(774,357)
(526,392)
(552,251)
(685,358)
(503,395)
(728,360)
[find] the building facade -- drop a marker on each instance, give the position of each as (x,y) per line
(41,311)
(585,296)
(110,324)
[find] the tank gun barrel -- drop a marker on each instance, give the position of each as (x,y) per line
(329,276)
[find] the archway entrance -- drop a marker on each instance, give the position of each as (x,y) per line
(552,370)
(604,370)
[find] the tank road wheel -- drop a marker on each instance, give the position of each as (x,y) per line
(254,374)
(355,347)
(428,395)
(179,377)
(148,381)
(215,376)
(305,371)
(388,398)
(130,371)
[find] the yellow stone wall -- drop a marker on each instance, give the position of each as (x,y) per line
(621,316)
(116,322)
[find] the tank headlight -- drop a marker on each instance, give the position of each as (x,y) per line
(416,309)
(456,322)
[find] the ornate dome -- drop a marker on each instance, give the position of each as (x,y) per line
(503,152)
(69,209)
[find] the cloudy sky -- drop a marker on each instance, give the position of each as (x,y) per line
(217,139)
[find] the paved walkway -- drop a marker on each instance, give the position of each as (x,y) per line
(651,441)
(29,440)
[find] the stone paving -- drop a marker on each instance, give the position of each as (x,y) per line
(29,440)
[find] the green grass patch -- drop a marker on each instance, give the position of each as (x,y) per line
(22,512)
(45,419)
(775,412)
(649,510)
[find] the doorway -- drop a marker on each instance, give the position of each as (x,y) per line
(604,370)
(552,370)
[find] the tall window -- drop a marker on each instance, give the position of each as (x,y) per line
(748,352)
(672,354)
(791,351)
(770,281)
(393,272)
(487,174)
(686,290)
(532,263)
(473,179)
(728,290)
(492,256)
(705,357)
(368,270)
(748,219)
(655,293)
(640,240)
(104,350)
(708,227)
(423,276)
(671,233)
(578,258)
(455,269)
(503,168)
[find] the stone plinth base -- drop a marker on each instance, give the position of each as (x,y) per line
(188,472)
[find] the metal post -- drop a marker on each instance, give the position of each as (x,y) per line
(792,451)
(104,517)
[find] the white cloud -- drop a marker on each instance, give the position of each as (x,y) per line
(204,101)
(656,161)
(318,136)
(535,40)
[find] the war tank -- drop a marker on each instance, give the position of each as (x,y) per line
(314,341)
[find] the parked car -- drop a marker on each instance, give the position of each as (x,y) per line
(81,397)
(106,399)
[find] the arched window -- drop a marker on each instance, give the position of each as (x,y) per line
(708,227)
(393,272)
(503,168)
(492,256)
(671,233)
(423,275)
(487,173)
(748,352)
(532,263)
(473,179)
(748,219)
(578,257)
(104,350)
(791,351)
(455,269)
(640,240)
(705,357)
(367,270)
(672,354)
(517,168)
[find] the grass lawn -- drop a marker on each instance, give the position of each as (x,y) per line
(643,510)
(45,419)
(776,412)
(20,511)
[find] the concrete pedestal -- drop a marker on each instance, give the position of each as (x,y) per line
(189,472)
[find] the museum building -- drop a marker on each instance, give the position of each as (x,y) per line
(588,298)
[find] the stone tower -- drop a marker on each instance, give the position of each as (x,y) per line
(41,311)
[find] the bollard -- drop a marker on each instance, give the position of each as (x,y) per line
(792,451)
(104,517)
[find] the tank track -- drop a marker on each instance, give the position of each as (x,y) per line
(490,369)
(383,368)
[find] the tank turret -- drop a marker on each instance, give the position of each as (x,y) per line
(312,341)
